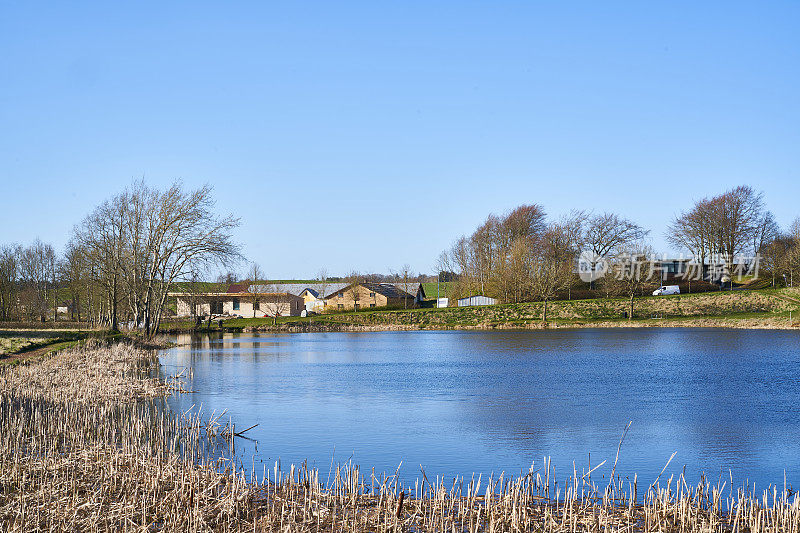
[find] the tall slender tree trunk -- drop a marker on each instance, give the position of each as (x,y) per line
(156,322)
(544,311)
(630,313)
(114,322)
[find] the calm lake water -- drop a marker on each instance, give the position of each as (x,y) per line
(483,402)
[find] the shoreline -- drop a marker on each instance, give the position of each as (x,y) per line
(89,452)
(709,323)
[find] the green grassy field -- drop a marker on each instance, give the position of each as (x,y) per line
(445,289)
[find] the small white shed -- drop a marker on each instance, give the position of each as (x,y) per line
(476,300)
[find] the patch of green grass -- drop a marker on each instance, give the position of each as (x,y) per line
(10,345)
(445,289)
(198,286)
(19,341)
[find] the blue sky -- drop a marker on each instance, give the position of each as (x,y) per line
(371,134)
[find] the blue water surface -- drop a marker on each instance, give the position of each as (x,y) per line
(457,403)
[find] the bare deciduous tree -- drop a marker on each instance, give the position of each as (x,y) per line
(765,231)
(776,256)
(271,302)
(10,255)
(524,222)
(195,287)
(554,260)
(493,259)
(608,233)
(443,266)
(695,231)
(355,279)
(322,277)
(256,277)
(724,227)
(739,217)
(792,262)
(794,229)
(144,240)
(38,275)
(74,273)
(631,272)
(405,278)
(227,278)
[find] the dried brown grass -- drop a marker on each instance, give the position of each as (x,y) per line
(87,446)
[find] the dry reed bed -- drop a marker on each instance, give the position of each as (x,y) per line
(87,446)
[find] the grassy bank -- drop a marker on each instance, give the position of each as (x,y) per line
(766,308)
(87,448)
(29,345)
(23,344)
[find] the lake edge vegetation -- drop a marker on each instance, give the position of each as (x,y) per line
(89,446)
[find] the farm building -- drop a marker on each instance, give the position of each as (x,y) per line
(368,294)
(241,303)
(317,296)
(249,300)
(476,300)
(313,294)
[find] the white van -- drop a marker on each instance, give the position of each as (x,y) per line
(666,290)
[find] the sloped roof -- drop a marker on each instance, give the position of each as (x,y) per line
(228,295)
(298,288)
(238,287)
(411,287)
(390,290)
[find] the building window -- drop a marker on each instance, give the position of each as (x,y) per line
(340,306)
(236,304)
(372,305)
(372,295)
(216,308)
(356,307)
(257,306)
(341,295)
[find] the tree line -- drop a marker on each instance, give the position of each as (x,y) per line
(126,255)
(736,223)
(28,280)
(122,259)
(523,255)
